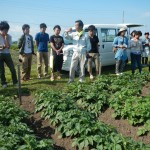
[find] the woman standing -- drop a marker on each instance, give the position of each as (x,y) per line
(136,49)
(120,45)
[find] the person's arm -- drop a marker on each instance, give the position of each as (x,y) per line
(2,47)
(61,47)
(115,43)
(141,47)
(32,45)
(67,35)
(88,44)
(51,40)
(125,45)
(98,44)
(53,47)
(37,40)
(7,41)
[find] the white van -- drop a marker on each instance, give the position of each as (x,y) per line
(106,34)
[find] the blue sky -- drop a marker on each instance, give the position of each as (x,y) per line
(65,12)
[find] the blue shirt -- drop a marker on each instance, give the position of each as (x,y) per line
(42,40)
(121,54)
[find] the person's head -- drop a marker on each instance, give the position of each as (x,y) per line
(122,32)
(146,35)
(137,35)
(57,29)
(140,33)
(91,30)
(4,27)
(26,29)
(133,33)
(79,25)
(43,27)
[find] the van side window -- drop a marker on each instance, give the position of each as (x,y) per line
(108,35)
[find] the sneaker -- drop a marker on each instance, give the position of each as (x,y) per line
(52,78)
(70,81)
(91,77)
(4,86)
(81,80)
(39,77)
(58,77)
(118,74)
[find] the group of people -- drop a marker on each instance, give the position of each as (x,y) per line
(85,50)
(85,47)
(139,50)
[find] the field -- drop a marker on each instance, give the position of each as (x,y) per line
(107,113)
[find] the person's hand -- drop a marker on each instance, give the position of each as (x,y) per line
(149,43)
(5,37)
(34,54)
(57,52)
(121,46)
(23,55)
(69,30)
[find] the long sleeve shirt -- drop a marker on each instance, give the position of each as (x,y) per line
(121,54)
(136,47)
(81,44)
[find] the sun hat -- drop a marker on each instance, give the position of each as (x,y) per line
(121,30)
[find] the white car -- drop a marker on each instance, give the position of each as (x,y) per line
(106,34)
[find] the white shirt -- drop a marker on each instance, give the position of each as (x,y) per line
(27,48)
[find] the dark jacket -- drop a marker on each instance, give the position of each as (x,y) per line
(21,44)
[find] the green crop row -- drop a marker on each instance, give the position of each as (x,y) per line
(74,111)
(14,133)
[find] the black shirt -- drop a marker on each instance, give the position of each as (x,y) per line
(94,41)
(57,41)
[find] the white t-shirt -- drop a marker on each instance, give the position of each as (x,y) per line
(27,48)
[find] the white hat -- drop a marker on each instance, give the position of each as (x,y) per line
(121,30)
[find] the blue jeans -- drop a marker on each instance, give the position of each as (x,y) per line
(136,60)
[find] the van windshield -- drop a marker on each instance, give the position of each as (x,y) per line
(69,42)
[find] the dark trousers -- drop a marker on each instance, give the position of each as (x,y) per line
(58,62)
(6,58)
(145,60)
(136,59)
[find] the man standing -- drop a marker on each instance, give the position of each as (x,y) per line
(94,52)
(42,40)
(26,47)
(57,44)
(82,46)
(5,57)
